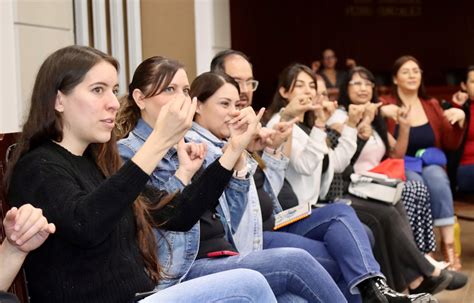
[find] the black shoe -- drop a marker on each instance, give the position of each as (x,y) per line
(459,280)
(376,290)
(434,285)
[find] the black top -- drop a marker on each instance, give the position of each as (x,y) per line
(266,204)
(212,235)
(420,137)
(287,196)
(8,298)
(94,256)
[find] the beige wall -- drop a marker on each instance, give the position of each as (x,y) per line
(168,30)
(31,30)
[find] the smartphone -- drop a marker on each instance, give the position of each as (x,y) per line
(221,253)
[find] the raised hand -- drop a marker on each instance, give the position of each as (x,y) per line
(283,131)
(460,98)
(297,107)
(355,114)
(263,138)
(323,110)
(389,111)
(364,131)
(402,116)
(175,118)
(455,115)
(244,126)
(371,110)
(26,228)
(191,156)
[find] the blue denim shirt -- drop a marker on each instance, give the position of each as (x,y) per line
(248,234)
(178,250)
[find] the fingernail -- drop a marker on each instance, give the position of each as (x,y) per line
(14,237)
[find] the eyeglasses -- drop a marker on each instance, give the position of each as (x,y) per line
(249,84)
(415,71)
(360,83)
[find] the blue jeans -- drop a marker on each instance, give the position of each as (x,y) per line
(238,285)
(291,273)
(437,181)
(465,178)
(335,237)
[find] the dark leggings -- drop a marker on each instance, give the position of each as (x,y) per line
(395,249)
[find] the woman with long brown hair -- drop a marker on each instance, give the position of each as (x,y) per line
(430,127)
(67,164)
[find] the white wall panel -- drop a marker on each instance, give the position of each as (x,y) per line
(35,44)
(9,91)
(48,13)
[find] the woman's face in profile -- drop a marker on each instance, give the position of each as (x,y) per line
(88,111)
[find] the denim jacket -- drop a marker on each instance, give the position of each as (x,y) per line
(178,250)
(248,235)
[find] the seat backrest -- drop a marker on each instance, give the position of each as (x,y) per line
(19,285)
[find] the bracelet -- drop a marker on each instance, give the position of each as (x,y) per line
(320,126)
(274,151)
(241,174)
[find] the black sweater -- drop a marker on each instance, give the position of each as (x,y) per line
(94,255)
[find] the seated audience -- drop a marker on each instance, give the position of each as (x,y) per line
(67,164)
(461,161)
(303,171)
(430,127)
(210,246)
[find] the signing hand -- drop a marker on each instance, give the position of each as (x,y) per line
(191,156)
(244,125)
(26,228)
(402,117)
(371,110)
(364,131)
(460,98)
(175,118)
(455,115)
(297,107)
(356,112)
(389,111)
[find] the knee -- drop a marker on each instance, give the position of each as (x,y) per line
(343,210)
(291,259)
(434,172)
(250,277)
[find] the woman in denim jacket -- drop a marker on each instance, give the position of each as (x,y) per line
(183,255)
(333,235)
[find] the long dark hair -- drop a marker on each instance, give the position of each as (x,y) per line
(151,77)
(206,84)
(287,81)
(378,123)
(63,71)
(396,67)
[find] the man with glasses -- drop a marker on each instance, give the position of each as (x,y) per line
(237,65)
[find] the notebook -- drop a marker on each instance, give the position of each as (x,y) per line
(291,215)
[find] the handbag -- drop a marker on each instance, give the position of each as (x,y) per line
(391,167)
(377,187)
